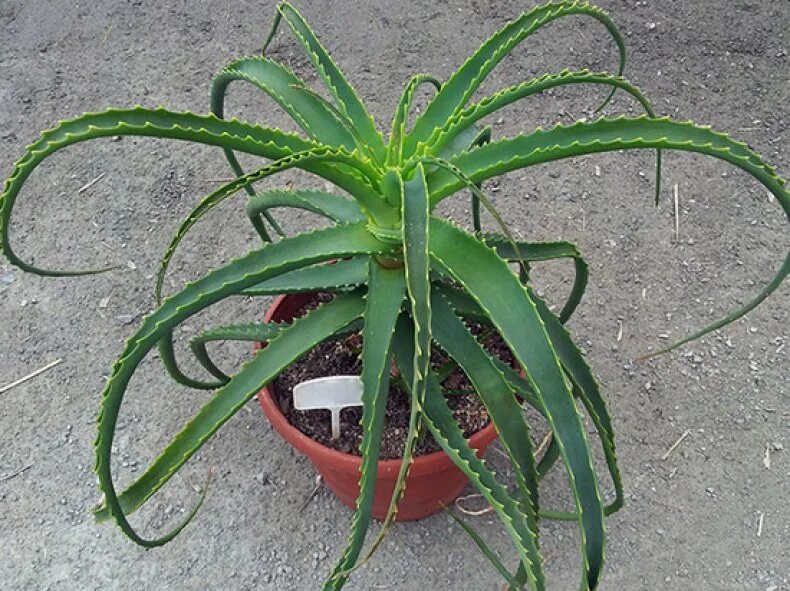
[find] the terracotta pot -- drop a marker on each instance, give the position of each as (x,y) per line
(433,480)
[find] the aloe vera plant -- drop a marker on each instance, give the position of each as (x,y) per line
(409,278)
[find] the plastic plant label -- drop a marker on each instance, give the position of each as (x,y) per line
(332,393)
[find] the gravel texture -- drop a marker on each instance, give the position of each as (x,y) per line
(712,515)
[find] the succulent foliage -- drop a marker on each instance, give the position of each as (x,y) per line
(403,276)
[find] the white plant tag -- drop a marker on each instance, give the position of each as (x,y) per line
(333,393)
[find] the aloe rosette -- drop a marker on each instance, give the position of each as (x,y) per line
(404,277)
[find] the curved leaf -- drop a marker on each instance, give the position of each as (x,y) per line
(445,430)
(251,139)
(347,100)
(500,402)
(308,111)
(343,274)
(384,299)
(395,146)
(258,332)
(288,345)
(481,198)
(167,354)
(322,277)
(417,271)
(329,205)
(463,120)
(418,287)
(546,251)
(490,104)
(467,79)
(306,160)
(619,134)
(497,290)
(586,387)
(288,91)
(484,548)
(483,138)
(269,261)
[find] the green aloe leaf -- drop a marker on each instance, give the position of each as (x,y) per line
(585,387)
(500,402)
(258,332)
(329,205)
(417,264)
(457,91)
(463,141)
(384,299)
(493,103)
(336,277)
(269,261)
(340,275)
(290,93)
(251,139)
(167,354)
(482,138)
(484,548)
(588,391)
(305,160)
(399,121)
(463,120)
(445,430)
(547,251)
(287,346)
(417,267)
(255,332)
(622,133)
(347,99)
(497,290)
(417,271)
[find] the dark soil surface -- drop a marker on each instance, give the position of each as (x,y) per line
(712,515)
(341,357)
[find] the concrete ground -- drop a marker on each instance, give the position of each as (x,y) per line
(711,515)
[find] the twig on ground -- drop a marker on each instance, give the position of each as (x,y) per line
(106,35)
(31,375)
(767,456)
(471,512)
(500,451)
(676,444)
(385,585)
(677,215)
(88,185)
(319,482)
(543,444)
(760,524)
(17,473)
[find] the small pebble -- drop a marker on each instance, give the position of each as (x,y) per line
(125,319)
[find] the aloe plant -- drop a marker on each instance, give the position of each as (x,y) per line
(408,278)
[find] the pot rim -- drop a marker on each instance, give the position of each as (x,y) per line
(309,446)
